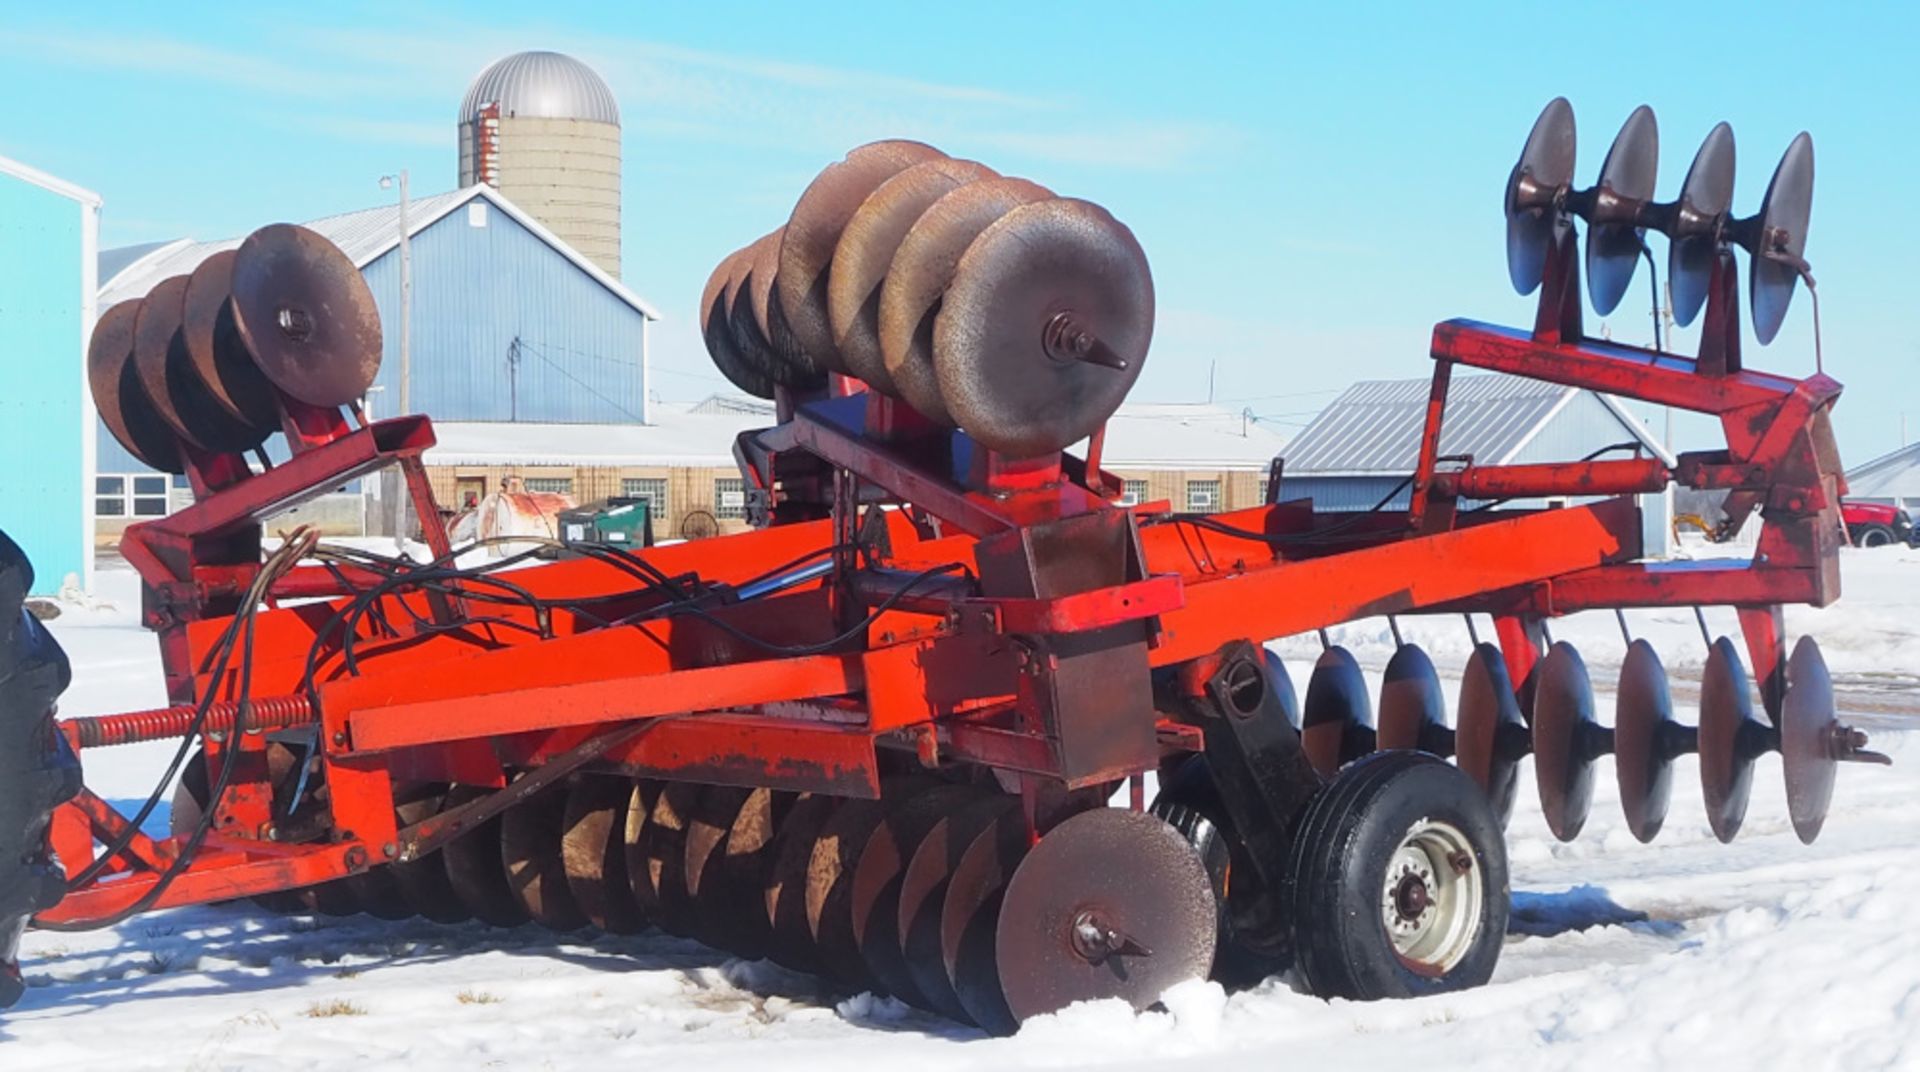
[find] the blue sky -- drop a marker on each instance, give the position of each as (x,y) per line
(1315,186)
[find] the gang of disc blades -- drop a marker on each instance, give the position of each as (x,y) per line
(918,277)
(1807,729)
(475,869)
(1614,238)
(716,328)
(1002,381)
(1563,738)
(812,232)
(791,366)
(306,315)
(1156,916)
(119,396)
(1337,718)
(593,847)
(923,892)
(1642,761)
(1534,191)
(970,921)
(860,262)
(424,882)
(1728,735)
(1694,239)
(1488,729)
(1780,243)
(1412,704)
(875,902)
(227,371)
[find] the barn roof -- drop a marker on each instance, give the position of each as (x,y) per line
(1890,476)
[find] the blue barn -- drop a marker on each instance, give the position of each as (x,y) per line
(509,323)
(49,231)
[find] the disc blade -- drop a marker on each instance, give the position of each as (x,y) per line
(1614,242)
(806,251)
(1807,726)
(1727,727)
(875,904)
(716,327)
(918,277)
(970,920)
(1545,164)
(530,835)
(1110,904)
(1281,683)
(118,396)
(1784,213)
(1001,382)
(829,892)
(1642,764)
(865,251)
(1337,719)
(923,892)
(474,867)
(1488,726)
(789,363)
(225,369)
(634,845)
(155,328)
(1563,731)
(732,899)
(1705,199)
(1412,704)
(377,893)
(790,938)
(664,845)
(593,848)
(715,812)
(424,882)
(306,314)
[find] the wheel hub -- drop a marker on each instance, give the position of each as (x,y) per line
(1431,897)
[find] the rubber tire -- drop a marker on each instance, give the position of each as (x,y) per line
(1873,536)
(1189,802)
(1341,848)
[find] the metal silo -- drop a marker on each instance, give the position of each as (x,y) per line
(544,129)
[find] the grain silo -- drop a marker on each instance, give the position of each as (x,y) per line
(543,129)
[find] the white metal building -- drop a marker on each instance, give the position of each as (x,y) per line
(1891,478)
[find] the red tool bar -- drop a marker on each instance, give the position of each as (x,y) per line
(1625,476)
(224,870)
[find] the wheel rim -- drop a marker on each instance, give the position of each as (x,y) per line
(1431,898)
(1875,538)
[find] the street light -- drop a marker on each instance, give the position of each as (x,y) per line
(405,405)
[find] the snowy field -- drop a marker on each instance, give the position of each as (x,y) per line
(1762,955)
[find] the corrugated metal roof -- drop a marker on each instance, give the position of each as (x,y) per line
(1890,476)
(364,236)
(1374,427)
(547,85)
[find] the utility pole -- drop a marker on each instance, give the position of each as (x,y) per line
(406,344)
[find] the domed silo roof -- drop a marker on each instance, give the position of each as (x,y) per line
(545,85)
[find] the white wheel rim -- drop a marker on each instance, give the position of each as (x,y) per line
(1432,896)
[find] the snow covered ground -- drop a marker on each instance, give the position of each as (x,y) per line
(1765,954)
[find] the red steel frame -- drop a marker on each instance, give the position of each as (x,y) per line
(941,674)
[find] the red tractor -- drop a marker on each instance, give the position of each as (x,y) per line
(1877,524)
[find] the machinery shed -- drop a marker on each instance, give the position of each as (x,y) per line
(1891,478)
(1361,449)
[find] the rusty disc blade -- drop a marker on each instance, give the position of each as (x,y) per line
(377,892)
(424,882)
(1545,166)
(866,250)
(233,382)
(790,938)
(812,232)
(664,845)
(474,867)
(714,812)
(1728,739)
(1046,280)
(646,792)
(923,892)
(829,889)
(875,901)
(791,367)
(1413,707)
(119,396)
(1641,760)
(1614,242)
(155,330)
(593,849)
(1705,198)
(732,898)
(1781,237)
(1564,736)
(1490,733)
(306,315)
(333,898)
(716,328)
(1110,904)
(1337,719)
(970,920)
(530,835)
(919,274)
(1807,728)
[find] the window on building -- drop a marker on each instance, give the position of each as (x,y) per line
(1135,493)
(552,485)
(1203,496)
(730,498)
(652,489)
(130,496)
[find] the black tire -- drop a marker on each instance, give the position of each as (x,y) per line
(1873,536)
(1347,839)
(1189,802)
